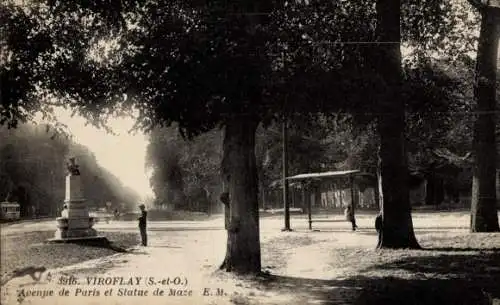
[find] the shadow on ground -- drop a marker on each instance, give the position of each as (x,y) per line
(218,228)
(442,278)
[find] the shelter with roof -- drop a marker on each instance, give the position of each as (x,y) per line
(333,190)
(330,190)
(336,189)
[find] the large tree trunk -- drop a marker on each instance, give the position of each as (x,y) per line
(397,226)
(240,172)
(484,216)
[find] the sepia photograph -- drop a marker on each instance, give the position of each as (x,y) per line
(291,152)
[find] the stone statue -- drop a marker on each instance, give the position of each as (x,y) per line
(73,167)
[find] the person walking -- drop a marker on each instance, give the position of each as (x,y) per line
(349,215)
(142,225)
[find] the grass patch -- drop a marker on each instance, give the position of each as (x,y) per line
(29,249)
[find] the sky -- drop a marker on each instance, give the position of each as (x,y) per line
(122,154)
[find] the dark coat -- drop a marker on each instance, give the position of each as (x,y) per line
(142,219)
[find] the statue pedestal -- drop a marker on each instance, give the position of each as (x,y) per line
(78,225)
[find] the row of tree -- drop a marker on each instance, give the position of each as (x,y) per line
(242,64)
(185,174)
(33,168)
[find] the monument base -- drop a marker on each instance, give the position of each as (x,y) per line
(77,230)
(75,233)
(88,241)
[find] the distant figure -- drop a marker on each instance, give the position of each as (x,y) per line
(64,212)
(379,224)
(142,225)
(116,213)
(349,215)
(73,167)
(224,197)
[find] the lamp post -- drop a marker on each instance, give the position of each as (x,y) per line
(286,202)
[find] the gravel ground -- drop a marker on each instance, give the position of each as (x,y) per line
(331,266)
(29,249)
(274,250)
(453,268)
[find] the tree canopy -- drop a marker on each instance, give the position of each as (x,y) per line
(149,55)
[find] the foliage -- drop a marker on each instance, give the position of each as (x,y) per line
(159,51)
(185,173)
(163,154)
(306,57)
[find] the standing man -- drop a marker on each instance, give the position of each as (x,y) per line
(142,225)
(349,215)
(379,225)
